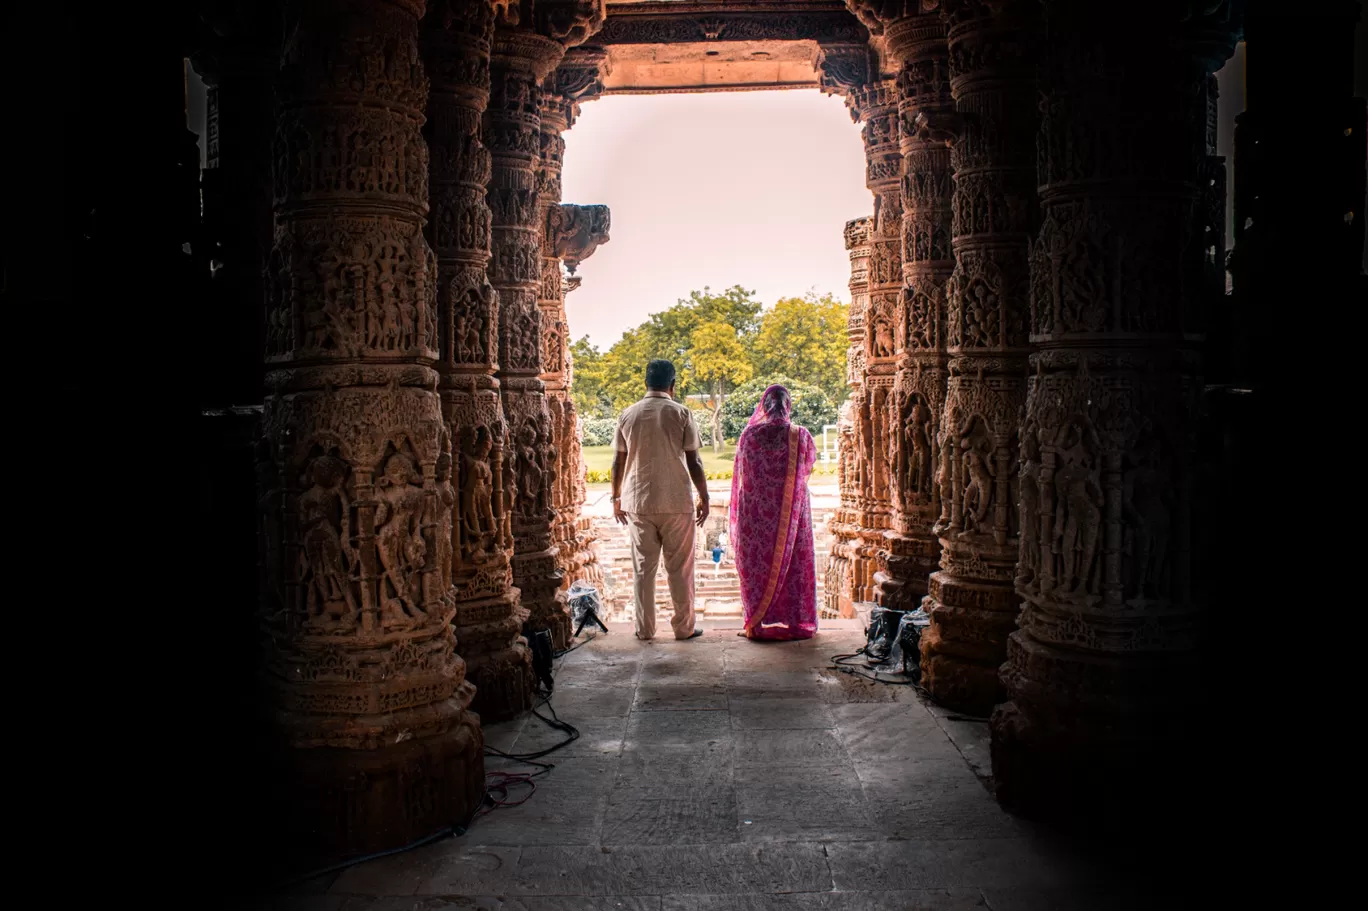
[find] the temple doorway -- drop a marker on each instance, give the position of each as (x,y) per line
(727,211)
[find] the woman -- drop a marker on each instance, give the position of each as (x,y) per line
(771,522)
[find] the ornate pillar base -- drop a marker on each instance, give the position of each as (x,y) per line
(908,560)
(348,803)
(1086,738)
(499,662)
(971,620)
(503,684)
(542,578)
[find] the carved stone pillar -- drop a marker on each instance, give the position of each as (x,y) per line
(1103,668)
(841,588)
(529,41)
(457,38)
(570,233)
(876,104)
(972,603)
(586,538)
(355,462)
(917,42)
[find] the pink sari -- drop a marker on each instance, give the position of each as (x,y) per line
(771,522)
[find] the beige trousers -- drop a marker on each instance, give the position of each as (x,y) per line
(672,533)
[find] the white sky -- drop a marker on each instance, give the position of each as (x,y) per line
(748,188)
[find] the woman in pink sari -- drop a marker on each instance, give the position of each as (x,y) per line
(771,522)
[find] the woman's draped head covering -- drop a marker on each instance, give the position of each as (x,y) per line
(774,407)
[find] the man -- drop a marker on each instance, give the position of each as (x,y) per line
(656,456)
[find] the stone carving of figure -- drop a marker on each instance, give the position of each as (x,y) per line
(978,486)
(1078,517)
(530,469)
(1028,564)
(879,448)
(325,526)
(883,337)
(980,316)
(945,480)
(551,456)
(389,302)
(477,493)
(1145,502)
(399,542)
(916,448)
(446,505)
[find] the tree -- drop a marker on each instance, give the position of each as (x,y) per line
(805,337)
(669,333)
(587,388)
(624,369)
(811,407)
(719,363)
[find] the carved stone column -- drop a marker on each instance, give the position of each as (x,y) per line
(529,41)
(1101,673)
(355,462)
(917,43)
(585,560)
(876,104)
(572,233)
(972,603)
(457,38)
(841,589)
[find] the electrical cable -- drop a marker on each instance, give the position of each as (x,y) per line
(563,652)
(838,662)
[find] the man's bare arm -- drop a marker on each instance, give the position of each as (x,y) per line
(618,470)
(700,482)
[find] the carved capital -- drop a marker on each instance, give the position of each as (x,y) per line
(576,232)
(568,22)
(844,67)
(857,232)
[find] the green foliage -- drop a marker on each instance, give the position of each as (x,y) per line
(811,407)
(624,370)
(599,431)
(805,337)
(587,388)
(671,333)
(718,342)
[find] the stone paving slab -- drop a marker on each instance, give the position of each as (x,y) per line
(657,697)
(723,774)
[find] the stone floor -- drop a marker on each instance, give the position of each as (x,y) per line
(721,774)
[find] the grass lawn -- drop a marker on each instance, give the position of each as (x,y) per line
(600,458)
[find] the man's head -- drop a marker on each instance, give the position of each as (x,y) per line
(660,376)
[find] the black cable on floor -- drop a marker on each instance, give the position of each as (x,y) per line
(838,662)
(567,651)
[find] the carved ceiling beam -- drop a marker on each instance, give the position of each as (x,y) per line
(684,23)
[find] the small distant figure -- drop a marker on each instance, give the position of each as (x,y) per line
(717,558)
(656,458)
(771,517)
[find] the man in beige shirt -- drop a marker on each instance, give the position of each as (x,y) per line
(657,456)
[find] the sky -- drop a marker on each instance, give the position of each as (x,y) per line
(719,189)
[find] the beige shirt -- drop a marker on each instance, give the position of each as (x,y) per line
(655,433)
